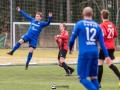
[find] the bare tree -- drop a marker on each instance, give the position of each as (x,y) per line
(117,21)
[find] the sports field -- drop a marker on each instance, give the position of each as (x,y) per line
(39,56)
(43,77)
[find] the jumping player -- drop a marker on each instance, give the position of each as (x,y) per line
(88,32)
(62,41)
(32,34)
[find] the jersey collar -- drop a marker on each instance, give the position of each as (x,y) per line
(105,20)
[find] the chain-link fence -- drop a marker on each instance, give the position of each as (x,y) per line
(69,11)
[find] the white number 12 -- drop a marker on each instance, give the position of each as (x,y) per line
(91,31)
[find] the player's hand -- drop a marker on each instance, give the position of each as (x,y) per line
(18,9)
(58,36)
(108,60)
(50,14)
(55,37)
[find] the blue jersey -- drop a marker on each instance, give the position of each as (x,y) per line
(35,26)
(88,32)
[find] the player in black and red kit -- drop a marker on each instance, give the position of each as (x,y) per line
(109,32)
(62,41)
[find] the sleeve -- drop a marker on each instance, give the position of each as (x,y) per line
(47,23)
(26,16)
(101,41)
(64,36)
(103,30)
(115,32)
(73,37)
(58,41)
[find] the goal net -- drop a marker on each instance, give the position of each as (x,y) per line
(47,46)
(46,39)
(3,40)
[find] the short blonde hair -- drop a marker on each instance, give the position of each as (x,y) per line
(39,13)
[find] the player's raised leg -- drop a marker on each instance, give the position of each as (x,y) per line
(18,44)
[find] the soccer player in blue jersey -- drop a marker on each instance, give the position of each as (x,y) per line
(32,34)
(89,33)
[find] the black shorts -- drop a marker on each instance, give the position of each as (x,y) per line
(62,53)
(110,52)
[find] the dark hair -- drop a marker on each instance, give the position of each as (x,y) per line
(105,14)
(39,13)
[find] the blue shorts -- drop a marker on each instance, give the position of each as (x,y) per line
(32,42)
(87,67)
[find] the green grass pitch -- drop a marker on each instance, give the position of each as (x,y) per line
(43,77)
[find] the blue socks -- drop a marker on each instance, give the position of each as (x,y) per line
(88,84)
(95,82)
(16,46)
(29,57)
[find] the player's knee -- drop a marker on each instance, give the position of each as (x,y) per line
(93,77)
(31,49)
(61,59)
(100,62)
(109,63)
(81,79)
(21,41)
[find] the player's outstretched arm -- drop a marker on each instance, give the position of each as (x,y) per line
(49,20)
(24,14)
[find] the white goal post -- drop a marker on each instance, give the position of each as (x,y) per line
(20,28)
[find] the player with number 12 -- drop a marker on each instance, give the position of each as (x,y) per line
(89,33)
